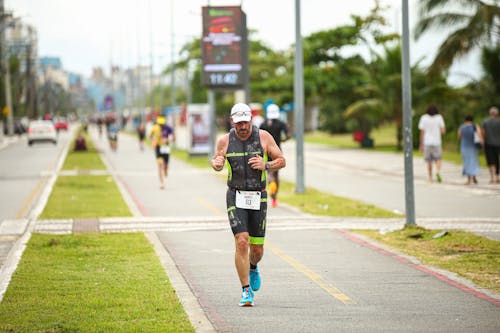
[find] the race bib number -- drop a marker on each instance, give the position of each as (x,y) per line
(248,199)
(164,149)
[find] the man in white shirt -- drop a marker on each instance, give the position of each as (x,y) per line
(431,126)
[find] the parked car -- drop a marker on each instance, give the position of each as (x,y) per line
(40,131)
(61,124)
(17,125)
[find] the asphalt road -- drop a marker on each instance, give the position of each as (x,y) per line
(24,171)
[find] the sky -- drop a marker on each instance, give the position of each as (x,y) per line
(91,33)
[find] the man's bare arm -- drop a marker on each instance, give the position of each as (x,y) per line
(219,159)
(273,151)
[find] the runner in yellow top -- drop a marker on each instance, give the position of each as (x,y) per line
(160,135)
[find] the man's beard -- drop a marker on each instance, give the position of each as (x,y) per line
(243,132)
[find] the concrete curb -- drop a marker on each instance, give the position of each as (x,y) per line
(189,301)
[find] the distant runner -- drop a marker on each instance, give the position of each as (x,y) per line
(160,136)
(280,132)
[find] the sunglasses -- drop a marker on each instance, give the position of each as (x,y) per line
(241,114)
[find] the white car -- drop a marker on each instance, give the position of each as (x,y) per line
(41,130)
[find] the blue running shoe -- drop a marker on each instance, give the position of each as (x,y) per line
(255,280)
(247,297)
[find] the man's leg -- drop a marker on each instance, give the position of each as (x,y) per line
(429,170)
(256,253)
(241,257)
(160,172)
(438,170)
(242,263)
(497,164)
(277,180)
(491,168)
(165,169)
(273,187)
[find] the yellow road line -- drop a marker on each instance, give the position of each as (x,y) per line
(27,203)
(208,205)
(315,277)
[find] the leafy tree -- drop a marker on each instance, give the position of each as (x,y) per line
(490,61)
(474,23)
(380,97)
(271,74)
(333,78)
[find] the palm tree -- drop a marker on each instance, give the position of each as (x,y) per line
(490,61)
(476,23)
(381,97)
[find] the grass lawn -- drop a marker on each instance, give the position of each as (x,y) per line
(199,161)
(83,160)
(85,196)
(473,257)
(91,283)
(319,203)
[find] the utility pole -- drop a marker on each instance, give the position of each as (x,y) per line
(172,56)
(5,63)
(298,75)
(407,121)
(151,61)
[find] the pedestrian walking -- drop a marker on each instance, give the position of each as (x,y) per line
(246,149)
(99,125)
(141,133)
(491,135)
(280,132)
(468,149)
(432,127)
(160,136)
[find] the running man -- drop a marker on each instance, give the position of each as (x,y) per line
(112,130)
(160,137)
(278,129)
(141,133)
(247,149)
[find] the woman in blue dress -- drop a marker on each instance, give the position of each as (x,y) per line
(469,150)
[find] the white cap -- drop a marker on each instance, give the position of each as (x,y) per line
(241,112)
(272,111)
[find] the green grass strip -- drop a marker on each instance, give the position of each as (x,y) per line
(91,283)
(199,161)
(318,203)
(470,256)
(85,196)
(83,160)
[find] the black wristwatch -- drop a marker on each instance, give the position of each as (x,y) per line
(268,166)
